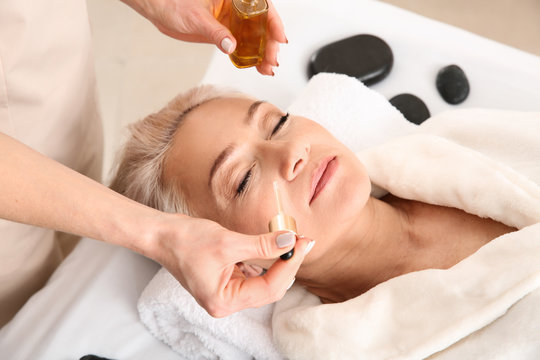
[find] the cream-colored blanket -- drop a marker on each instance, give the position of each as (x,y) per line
(485,307)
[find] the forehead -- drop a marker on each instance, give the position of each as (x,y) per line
(215,109)
(211,123)
(203,134)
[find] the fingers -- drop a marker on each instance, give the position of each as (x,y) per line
(212,272)
(241,292)
(215,32)
(269,59)
(276,35)
(265,246)
(250,270)
(275,25)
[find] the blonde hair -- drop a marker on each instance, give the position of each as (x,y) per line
(139,171)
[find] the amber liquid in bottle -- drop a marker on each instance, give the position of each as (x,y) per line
(248,26)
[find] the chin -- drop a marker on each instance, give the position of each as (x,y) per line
(351,200)
(338,210)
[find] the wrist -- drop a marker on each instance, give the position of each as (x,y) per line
(132,225)
(138,6)
(156,236)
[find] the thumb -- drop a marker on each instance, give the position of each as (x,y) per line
(216,33)
(264,246)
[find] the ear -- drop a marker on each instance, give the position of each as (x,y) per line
(250,270)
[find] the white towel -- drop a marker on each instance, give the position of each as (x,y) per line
(357,116)
(174,317)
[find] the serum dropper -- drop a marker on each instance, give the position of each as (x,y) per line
(282,221)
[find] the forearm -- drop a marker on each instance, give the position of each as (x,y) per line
(39,191)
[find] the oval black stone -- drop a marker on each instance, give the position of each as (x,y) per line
(453,84)
(365,57)
(412,107)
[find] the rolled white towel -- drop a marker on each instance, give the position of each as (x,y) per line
(356,115)
(173,316)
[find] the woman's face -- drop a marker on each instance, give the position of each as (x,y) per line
(228,152)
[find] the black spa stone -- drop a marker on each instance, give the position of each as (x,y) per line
(453,84)
(412,107)
(365,57)
(93,357)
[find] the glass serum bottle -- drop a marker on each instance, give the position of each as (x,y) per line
(248,26)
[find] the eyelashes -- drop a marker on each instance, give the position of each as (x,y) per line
(244,182)
(247,177)
(280,124)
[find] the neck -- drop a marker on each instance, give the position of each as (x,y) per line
(391,238)
(377,247)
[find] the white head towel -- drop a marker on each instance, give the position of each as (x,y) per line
(356,115)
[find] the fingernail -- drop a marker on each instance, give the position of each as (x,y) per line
(291,284)
(227,45)
(285,240)
(309,247)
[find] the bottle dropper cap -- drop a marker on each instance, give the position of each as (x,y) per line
(282,221)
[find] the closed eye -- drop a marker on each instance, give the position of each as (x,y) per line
(280,124)
(244,183)
(247,177)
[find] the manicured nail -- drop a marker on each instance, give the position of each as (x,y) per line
(227,45)
(285,240)
(291,284)
(309,247)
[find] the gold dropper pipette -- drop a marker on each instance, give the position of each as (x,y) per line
(282,221)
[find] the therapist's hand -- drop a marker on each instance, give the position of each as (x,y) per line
(206,21)
(205,263)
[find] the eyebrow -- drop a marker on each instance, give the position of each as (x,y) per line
(229,149)
(222,157)
(252,110)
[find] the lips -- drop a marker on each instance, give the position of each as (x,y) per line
(322,176)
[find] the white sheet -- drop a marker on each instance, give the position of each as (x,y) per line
(87,307)
(90,306)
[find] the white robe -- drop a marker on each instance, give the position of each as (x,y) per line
(486,306)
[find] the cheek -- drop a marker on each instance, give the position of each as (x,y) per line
(340,211)
(354,193)
(251,217)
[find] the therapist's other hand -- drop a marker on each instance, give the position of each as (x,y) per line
(204,257)
(206,21)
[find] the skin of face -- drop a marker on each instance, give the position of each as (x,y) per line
(259,152)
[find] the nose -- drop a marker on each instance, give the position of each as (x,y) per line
(294,157)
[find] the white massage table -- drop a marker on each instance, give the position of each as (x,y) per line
(89,305)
